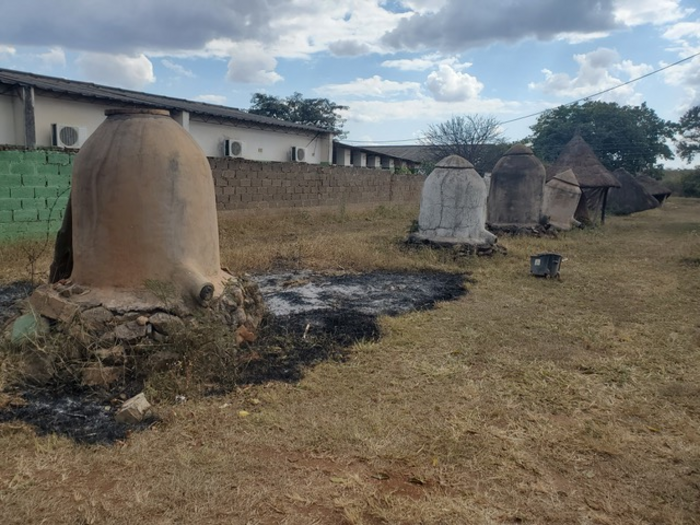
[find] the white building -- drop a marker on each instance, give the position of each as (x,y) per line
(41,111)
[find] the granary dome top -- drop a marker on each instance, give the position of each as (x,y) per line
(519,149)
(454,162)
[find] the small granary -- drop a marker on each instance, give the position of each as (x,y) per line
(594,179)
(630,197)
(562,195)
(654,188)
(517,189)
(453,206)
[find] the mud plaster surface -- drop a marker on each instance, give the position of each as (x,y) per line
(333,310)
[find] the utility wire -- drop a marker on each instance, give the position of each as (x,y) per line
(544,110)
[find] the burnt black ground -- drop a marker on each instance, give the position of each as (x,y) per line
(9,295)
(313,318)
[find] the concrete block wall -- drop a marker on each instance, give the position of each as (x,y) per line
(35,184)
(247,185)
(34,187)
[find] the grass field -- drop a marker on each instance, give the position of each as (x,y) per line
(574,401)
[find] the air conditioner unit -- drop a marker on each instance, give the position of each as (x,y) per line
(298,154)
(64,136)
(233,148)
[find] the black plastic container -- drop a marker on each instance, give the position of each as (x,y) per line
(545,265)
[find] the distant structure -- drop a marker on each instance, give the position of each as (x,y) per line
(631,196)
(594,179)
(517,189)
(453,206)
(654,187)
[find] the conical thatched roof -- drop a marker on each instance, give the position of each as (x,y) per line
(654,187)
(630,197)
(578,156)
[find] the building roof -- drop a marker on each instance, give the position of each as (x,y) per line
(62,87)
(578,156)
(415,153)
(631,196)
(653,186)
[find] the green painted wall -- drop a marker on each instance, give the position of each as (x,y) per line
(34,187)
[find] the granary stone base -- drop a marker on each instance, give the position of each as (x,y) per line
(458,246)
(114,324)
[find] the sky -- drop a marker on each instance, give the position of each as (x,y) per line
(399,65)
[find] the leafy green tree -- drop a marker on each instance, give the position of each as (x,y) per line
(318,112)
(630,137)
(477,138)
(689,129)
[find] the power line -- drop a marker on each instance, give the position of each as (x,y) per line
(544,110)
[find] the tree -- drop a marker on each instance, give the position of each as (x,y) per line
(630,137)
(318,112)
(477,138)
(689,129)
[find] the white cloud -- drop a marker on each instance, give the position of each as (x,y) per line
(426,62)
(637,12)
(117,70)
(369,87)
(595,74)
(251,64)
(212,99)
(7,50)
(53,57)
(449,85)
(178,69)
(410,64)
(682,31)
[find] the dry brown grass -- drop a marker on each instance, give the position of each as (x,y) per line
(526,401)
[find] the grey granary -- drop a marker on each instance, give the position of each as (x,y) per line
(517,189)
(453,205)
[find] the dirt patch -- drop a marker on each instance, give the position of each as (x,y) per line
(313,317)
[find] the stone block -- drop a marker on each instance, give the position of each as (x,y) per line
(25,215)
(49,304)
(37,156)
(134,410)
(20,192)
(46,192)
(58,157)
(33,204)
(23,168)
(5,216)
(33,180)
(130,331)
(10,180)
(12,155)
(47,169)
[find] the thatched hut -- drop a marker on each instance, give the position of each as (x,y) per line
(630,197)
(594,179)
(654,187)
(517,189)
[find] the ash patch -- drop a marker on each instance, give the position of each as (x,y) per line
(10,295)
(79,418)
(314,318)
(374,293)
